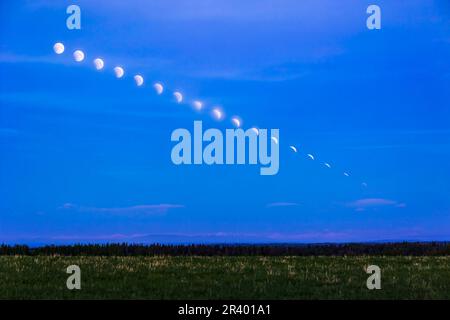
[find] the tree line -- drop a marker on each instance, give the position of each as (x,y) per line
(124,249)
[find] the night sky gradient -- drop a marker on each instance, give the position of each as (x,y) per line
(85,157)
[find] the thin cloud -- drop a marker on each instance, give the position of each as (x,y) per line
(20,58)
(148,209)
(249,74)
(282,204)
(373,203)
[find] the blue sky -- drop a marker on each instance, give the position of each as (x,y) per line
(85,157)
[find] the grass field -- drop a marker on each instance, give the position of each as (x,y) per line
(44,277)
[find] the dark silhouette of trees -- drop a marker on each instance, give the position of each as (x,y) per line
(347,249)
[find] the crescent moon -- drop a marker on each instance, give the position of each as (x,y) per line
(58,48)
(198,104)
(158,88)
(139,80)
(364,184)
(293,148)
(217,114)
(119,72)
(327,165)
(236,122)
(346,174)
(99,64)
(274,139)
(78,55)
(310,156)
(178,96)
(255,130)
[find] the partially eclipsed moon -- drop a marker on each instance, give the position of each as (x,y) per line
(158,88)
(198,105)
(310,156)
(274,139)
(58,48)
(139,80)
(119,72)
(99,64)
(236,121)
(78,55)
(178,96)
(256,130)
(293,148)
(217,114)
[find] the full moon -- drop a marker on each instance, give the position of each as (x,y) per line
(119,72)
(99,64)
(78,55)
(139,80)
(58,48)
(158,87)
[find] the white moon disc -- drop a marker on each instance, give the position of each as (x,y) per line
(78,55)
(274,139)
(158,88)
(326,164)
(178,96)
(99,64)
(236,121)
(293,148)
(217,114)
(119,72)
(310,156)
(198,105)
(139,80)
(58,48)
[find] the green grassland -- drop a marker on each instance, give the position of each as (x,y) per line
(257,277)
